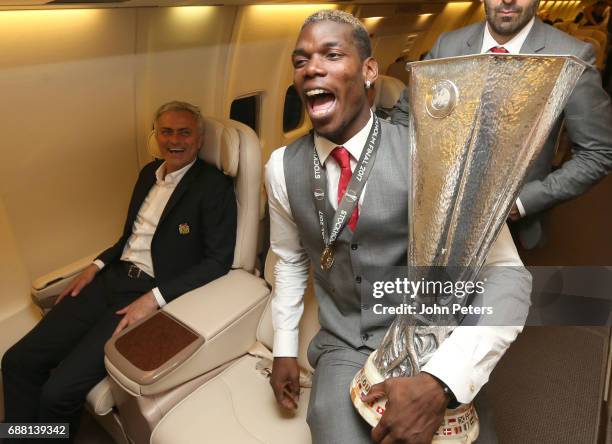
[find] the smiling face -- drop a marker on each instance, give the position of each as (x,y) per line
(507,17)
(330,77)
(178,138)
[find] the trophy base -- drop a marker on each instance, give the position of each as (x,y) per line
(460,425)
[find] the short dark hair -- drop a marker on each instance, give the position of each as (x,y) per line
(360,33)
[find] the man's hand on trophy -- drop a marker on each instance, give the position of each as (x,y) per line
(414,410)
(285,382)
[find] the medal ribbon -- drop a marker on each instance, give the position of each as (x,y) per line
(353,190)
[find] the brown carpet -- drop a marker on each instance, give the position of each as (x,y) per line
(549,386)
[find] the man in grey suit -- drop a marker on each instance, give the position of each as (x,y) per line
(511,26)
(306,183)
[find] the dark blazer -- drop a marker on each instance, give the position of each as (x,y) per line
(203,201)
(588,119)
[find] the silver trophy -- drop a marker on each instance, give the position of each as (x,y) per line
(477,123)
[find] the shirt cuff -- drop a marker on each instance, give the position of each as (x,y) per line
(521,208)
(158,297)
(286,343)
(98,263)
(449,365)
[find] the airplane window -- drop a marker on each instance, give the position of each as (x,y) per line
(293,112)
(246,110)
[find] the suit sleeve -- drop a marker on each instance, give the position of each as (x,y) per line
(218,238)
(113,253)
(588,119)
(401,110)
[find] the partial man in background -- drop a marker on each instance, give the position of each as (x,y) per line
(306,183)
(179,234)
(511,27)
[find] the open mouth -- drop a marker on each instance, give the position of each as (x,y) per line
(320,102)
(176,150)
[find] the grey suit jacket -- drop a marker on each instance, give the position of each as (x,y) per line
(588,119)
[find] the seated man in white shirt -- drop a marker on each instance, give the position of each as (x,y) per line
(306,183)
(179,234)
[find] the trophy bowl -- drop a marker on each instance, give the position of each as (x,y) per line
(476,125)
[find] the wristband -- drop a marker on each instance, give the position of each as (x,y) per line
(452,401)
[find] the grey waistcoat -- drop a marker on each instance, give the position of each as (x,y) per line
(344,293)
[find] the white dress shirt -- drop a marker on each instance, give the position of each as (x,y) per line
(513,46)
(137,249)
(291,272)
(466,357)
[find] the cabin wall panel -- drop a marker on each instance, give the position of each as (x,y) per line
(263,41)
(453,16)
(388,48)
(394,36)
(14,281)
(69,160)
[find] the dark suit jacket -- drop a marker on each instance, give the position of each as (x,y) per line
(588,119)
(204,200)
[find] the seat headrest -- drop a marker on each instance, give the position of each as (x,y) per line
(388,91)
(220,146)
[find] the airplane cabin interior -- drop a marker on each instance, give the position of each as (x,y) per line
(80,82)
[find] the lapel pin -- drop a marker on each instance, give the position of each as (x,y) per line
(184,228)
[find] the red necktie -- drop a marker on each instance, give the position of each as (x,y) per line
(499,50)
(342,156)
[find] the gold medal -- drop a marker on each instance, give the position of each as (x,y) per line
(327,258)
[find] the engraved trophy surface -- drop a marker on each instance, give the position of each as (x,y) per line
(477,123)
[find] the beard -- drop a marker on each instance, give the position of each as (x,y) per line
(508,26)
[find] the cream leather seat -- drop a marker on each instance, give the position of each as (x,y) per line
(388,91)
(398,70)
(594,32)
(598,39)
(238,405)
(131,408)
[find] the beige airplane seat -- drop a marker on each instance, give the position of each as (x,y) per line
(566,26)
(157,362)
(598,39)
(397,70)
(388,91)
(595,32)
(238,405)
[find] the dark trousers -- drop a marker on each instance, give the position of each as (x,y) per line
(48,373)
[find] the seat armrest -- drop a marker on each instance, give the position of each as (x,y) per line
(46,288)
(190,336)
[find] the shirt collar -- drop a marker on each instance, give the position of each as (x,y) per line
(354,145)
(513,46)
(171,178)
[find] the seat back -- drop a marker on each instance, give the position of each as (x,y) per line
(309,324)
(234,149)
(388,91)
(595,33)
(397,70)
(565,26)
